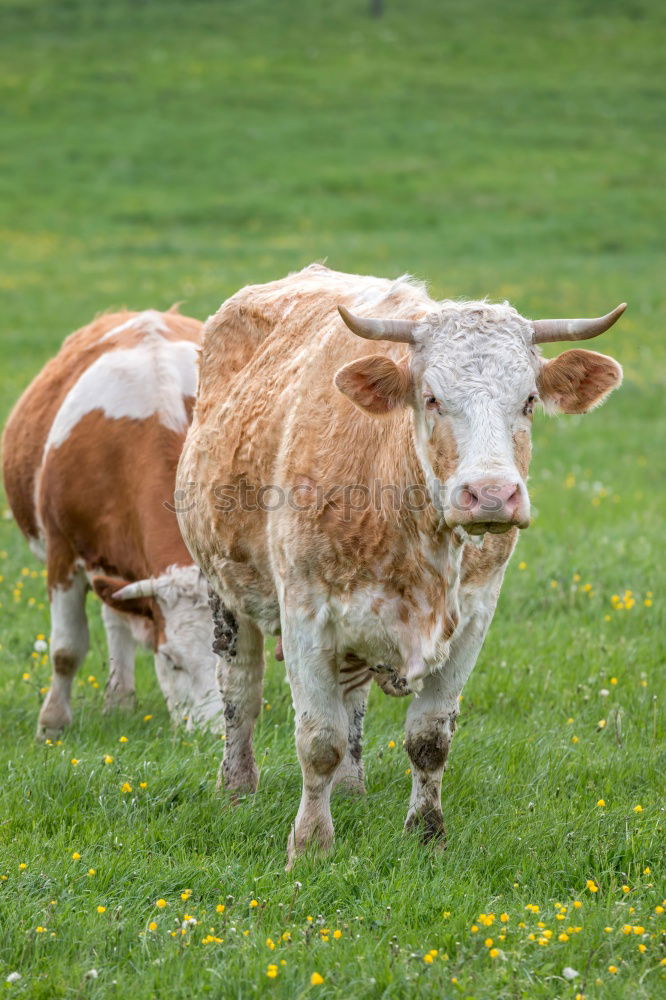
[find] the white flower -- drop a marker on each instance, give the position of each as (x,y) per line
(40,646)
(604,693)
(91,974)
(13,977)
(569,973)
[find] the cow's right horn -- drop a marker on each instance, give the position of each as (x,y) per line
(399,330)
(142,588)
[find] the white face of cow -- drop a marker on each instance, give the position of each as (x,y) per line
(473,379)
(184,659)
(181,636)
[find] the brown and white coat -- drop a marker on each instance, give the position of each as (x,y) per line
(303,437)
(89,459)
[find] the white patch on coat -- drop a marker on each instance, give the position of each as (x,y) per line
(148,321)
(152,378)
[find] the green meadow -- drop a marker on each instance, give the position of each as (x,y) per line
(160,152)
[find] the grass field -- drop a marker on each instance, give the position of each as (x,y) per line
(160,152)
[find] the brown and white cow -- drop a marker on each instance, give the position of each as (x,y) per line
(358,487)
(90,453)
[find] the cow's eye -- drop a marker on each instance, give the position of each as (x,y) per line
(528,408)
(431,403)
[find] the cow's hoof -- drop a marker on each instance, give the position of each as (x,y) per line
(430,824)
(119,701)
(237,781)
(349,784)
(47,731)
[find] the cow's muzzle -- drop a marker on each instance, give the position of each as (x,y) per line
(488,505)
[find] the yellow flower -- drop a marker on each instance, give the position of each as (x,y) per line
(428,959)
(626,928)
(391,744)
(494,952)
(612,969)
(659,909)
(253,903)
(473,929)
(108,759)
(646,871)
(143,784)
(123,739)
(337,934)
(591,886)
(220,908)
(626,889)
(609,930)
(101,909)
(287,935)
(126,788)
(638,809)
(562,937)
(489,942)
(185,895)
(25,677)
(40,930)
(270,943)
(161,903)
(147,718)
(74,762)
(152,926)
(613,680)
(574,739)
(638,929)
(554,584)
(22,866)
(601,724)
(76,856)
(642,948)
(663,961)
(272,971)
(504,917)
(91,872)
(601,803)
(316,979)
(577,904)
(576,578)
(522,565)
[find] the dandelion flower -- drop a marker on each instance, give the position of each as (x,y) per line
(391,744)
(612,969)
(253,904)
(147,718)
(577,904)
(337,934)
(638,809)
(143,784)
(428,959)
(220,908)
(522,565)
(76,856)
(107,758)
(123,739)
(91,872)
(591,886)
(161,903)
(494,952)
(270,943)
(562,937)
(504,917)
(74,761)
(574,739)
(22,866)
(601,803)
(625,889)
(272,971)
(659,909)
(316,979)
(152,926)
(126,788)
(101,909)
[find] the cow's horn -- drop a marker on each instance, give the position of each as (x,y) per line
(399,330)
(549,331)
(142,588)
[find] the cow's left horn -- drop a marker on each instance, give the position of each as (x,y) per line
(549,331)
(142,588)
(399,330)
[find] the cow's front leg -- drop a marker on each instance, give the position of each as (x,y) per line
(119,691)
(431,720)
(321,738)
(240,675)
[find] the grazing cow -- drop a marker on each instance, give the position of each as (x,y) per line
(356,485)
(90,453)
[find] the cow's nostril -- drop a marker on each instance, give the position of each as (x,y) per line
(468,497)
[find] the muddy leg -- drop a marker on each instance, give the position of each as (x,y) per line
(69,645)
(349,776)
(431,719)
(240,673)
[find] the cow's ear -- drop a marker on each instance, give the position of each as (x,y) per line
(577,381)
(106,586)
(376,384)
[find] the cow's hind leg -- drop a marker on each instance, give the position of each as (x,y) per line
(119,691)
(240,647)
(349,776)
(321,736)
(430,726)
(69,645)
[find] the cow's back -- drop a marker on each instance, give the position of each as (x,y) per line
(68,450)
